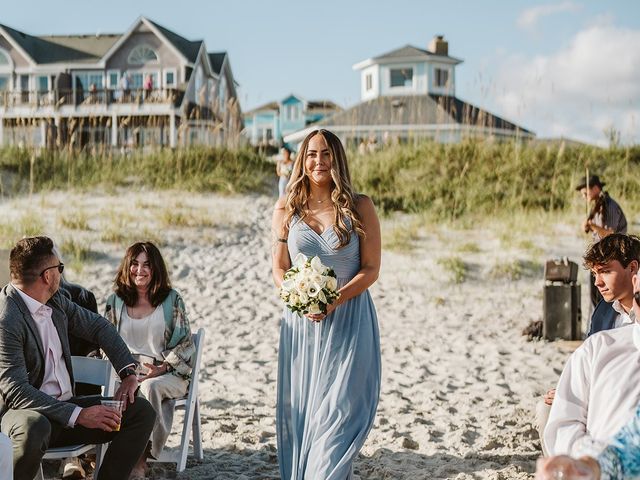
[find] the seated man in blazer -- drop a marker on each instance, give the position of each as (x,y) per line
(614,262)
(37,405)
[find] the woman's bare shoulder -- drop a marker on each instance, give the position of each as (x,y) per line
(280,203)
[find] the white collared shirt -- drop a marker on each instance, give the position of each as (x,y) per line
(56,380)
(623,317)
(598,392)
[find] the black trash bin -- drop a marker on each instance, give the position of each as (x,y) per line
(561,310)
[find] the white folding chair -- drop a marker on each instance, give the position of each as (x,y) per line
(93,371)
(191,405)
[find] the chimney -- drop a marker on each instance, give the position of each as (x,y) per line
(439,45)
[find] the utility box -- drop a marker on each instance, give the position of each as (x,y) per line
(561,301)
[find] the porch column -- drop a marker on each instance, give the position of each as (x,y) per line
(114,130)
(172,131)
(43,133)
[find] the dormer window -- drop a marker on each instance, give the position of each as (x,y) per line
(369,81)
(441,77)
(401,77)
(4,60)
(142,54)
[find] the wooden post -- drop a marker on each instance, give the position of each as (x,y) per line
(172,130)
(114,130)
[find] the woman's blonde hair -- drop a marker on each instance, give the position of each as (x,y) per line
(342,195)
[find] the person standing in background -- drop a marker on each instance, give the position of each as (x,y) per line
(283,170)
(605,217)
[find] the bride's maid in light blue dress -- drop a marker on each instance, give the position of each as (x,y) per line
(328,365)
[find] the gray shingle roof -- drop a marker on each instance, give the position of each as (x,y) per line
(410,51)
(188,48)
(417,110)
(217,59)
(54,49)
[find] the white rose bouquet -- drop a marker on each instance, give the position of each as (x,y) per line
(309,286)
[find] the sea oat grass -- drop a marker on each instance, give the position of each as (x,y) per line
(195,169)
(491,179)
(455,267)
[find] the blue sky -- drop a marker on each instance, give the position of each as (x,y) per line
(567,67)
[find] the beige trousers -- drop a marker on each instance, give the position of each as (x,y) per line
(160,391)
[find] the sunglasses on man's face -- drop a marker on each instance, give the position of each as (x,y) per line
(60,268)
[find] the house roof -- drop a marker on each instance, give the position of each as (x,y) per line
(217,59)
(417,110)
(188,48)
(322,105)
(45,50)
(267,106)
(410,51)
(89,47)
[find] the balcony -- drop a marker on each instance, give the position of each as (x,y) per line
(56,99)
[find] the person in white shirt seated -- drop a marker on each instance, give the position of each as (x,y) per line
(599,388)
(608,261)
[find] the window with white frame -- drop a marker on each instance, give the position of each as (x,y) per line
(368,80)
(137,79)
(170,78)
(142,54)
(84,80)
(401,77)
(113,78)
(441,77)
(42,82)
(5,71)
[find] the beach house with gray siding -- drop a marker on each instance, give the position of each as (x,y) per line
(410,93)
(146,87)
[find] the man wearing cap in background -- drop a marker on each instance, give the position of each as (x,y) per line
(605,217)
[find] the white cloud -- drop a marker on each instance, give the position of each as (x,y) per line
(591,84)
(529,17)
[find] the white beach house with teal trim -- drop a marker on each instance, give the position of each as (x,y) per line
(269,123)
(410,93)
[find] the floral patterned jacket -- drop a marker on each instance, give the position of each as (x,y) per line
(621,459)
(179,348)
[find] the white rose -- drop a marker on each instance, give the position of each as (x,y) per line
(316,264)
(314,308)
(332,283)
(294,299)
(303,297)
(300,260)
(302,285)
(318,279)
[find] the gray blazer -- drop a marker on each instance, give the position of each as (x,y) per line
(22,356)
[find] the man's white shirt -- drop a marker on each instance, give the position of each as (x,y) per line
(598,392)
(623,317)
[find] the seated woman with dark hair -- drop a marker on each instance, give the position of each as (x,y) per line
(151,318)
(618,461)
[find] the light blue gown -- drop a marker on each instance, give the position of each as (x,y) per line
(328,371)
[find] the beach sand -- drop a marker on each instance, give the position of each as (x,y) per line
(459,381)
